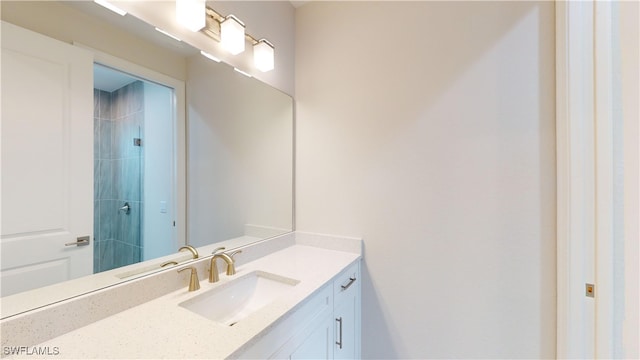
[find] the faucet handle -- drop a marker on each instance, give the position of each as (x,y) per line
(218,249)
(194,282)
(231,266)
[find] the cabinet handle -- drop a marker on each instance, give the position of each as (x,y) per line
(339,343)
(351,281)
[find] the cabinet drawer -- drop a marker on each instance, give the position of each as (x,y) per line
(347,283)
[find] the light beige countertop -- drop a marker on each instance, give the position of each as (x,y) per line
(160,328)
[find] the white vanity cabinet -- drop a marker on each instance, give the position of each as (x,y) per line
(326,326)
(346,311)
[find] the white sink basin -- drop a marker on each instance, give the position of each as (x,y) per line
(235,300)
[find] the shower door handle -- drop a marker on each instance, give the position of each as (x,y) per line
(81,241)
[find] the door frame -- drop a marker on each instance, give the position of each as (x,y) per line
(587,104)
(180,138)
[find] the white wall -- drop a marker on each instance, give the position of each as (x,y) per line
(240,153)
(434,140)
(70,25)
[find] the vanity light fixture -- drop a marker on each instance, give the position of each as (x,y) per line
(263,54)
(242,72)
(209,56)
(232,35)
(230,32)
(111,7)
(191,14)
(167,34)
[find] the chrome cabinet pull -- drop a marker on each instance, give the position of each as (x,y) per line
(351,281)
(81,241)
(339,343)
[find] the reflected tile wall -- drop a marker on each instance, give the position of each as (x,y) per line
(118,174)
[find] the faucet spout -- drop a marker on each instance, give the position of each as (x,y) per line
(191,249)
(213,269)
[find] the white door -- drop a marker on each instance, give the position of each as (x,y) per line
(47,160)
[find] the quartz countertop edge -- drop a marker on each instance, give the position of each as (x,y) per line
(162,329)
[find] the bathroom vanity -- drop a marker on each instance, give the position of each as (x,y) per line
(294,296)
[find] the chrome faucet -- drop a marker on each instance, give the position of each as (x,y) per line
(228,258)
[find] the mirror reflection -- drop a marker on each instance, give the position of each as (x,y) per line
(234,149)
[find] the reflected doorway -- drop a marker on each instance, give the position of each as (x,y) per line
(134,182)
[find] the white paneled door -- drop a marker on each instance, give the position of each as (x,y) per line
(47,160)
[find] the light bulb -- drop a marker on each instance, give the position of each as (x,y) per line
(263,55)
(232,35)
(191,14)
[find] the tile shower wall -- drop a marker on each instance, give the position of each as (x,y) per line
(118,164)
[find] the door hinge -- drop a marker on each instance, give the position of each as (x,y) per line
(590,290)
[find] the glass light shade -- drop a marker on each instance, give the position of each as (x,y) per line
(191,14)
(263,55)
(232,35)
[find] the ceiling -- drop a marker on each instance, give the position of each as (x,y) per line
(110,80)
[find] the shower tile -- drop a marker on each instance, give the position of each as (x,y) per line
(129,129)
(137,254)
(108,213)
(96,220)
(96,258)
(104,180)
(128,179)
(96,103)
(128,228)
(116,104)
(107,260)
(106,139)
(124,98)
(132,233)
(117,174)
(136,102)
(97,181)
(96,138)
(126,136)
(122,222)
(118,134)
(105,105)
(123,254)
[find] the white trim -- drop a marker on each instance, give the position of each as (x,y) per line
(604,102)
(629,13)
(575,180)
(178,86)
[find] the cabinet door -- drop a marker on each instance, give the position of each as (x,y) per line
(346,344)
(347,314)
(318,344)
